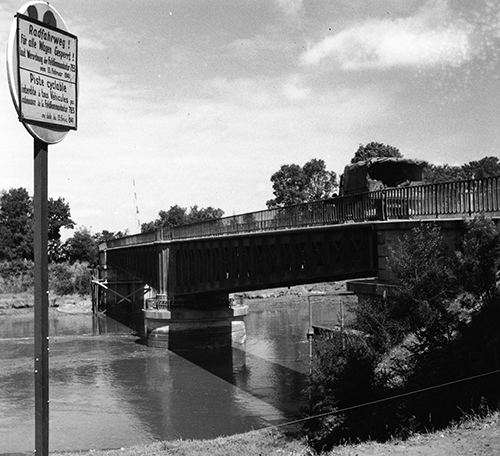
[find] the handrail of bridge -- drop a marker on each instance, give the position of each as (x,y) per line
(446,199)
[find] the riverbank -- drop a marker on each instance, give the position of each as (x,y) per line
(16,303)
(473,436)
(323,288)
(19,303)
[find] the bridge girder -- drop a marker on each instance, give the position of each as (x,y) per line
(254,261)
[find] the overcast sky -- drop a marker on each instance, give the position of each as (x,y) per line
(200,101)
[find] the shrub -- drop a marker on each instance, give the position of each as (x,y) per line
(16,276)
(425,274)
(454,338)
(65,278)
(341,376)
(474,351)
(60,278)
(479,256)
(81,278)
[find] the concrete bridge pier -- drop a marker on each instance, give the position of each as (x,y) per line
(194,322)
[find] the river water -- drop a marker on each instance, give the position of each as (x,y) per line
(107,390)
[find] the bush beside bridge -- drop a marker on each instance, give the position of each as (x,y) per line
(65,279)
(441,326)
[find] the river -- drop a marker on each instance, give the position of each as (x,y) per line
(107,390)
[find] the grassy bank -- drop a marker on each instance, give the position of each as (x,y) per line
(471,437)
(297,290)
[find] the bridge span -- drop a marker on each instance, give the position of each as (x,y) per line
(191,269)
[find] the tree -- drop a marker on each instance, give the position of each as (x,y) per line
(426,276)
(486,167)
(59,217)
(16,224)
(16,214)
(106,235)
(174,216)
(81,247)
(203,213)
(375,150)
(479,259)
(177,216)
(293,184)
(476,169)
(148,226)
(443,173)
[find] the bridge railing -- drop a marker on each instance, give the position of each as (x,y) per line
(466,197)
(447,199)
(134,239)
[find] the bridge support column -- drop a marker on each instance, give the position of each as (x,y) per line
(201,321)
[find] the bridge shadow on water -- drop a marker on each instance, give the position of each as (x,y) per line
(250,386)
(194,394)
(282,388)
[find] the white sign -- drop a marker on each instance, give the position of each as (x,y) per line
(47,82)
(42,68)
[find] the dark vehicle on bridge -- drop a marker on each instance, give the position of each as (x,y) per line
(380,173)
(363,182)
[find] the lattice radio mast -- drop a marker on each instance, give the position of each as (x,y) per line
(137,216)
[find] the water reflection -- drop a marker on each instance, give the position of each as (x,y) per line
(108,391)
(22,326)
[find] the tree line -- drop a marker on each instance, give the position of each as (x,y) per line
(16,230)
(295,184)
(176,216)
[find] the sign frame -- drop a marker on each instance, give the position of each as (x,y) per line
(22,117)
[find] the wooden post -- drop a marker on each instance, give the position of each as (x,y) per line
(40,238)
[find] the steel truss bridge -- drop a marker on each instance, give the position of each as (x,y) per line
(324,240)
(196,266)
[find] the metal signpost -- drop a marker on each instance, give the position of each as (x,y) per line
(42,67)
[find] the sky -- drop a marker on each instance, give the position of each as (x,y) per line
(199,102)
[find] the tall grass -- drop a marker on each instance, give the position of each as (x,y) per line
(16,276)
